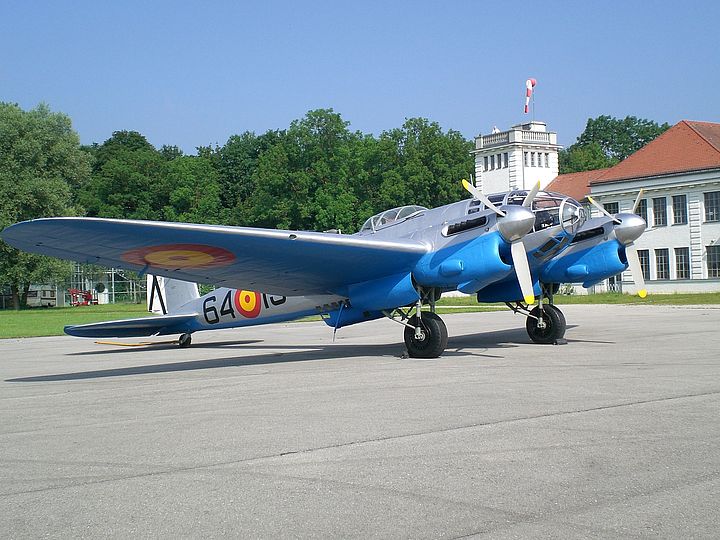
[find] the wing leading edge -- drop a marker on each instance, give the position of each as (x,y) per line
(279,262)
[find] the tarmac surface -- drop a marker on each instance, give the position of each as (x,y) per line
(277,432)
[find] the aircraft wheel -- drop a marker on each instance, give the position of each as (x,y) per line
(185,341)
(553,325)
(434,336)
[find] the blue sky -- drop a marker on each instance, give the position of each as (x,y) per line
(194,73)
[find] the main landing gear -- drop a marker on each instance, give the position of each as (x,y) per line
(426,335)
(545,323)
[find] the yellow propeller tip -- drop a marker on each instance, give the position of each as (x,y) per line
(529,300)
(465,183)
(642,293)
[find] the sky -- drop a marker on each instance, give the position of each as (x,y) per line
(194,73)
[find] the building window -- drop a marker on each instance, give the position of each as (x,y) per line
(682,263)
(611,207)
(659,212)
(662,264)
(532,159)
(492,162)
(486,163)
(642,209)
(644,256)
(713,261)
(527,163)
(679,209)
(540,158)
(712,206)
(547,160)
(505,160)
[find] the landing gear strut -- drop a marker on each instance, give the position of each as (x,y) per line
(545,323)
(426,337)
(425,334)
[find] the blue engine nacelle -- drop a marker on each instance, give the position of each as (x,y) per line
(587,266)
(468,266)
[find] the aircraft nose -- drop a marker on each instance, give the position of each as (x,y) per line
(517,222)
(630,228)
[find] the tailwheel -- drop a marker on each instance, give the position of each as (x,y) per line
(427,339)
(185,341)
(545,325)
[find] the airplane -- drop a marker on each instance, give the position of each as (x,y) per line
(514,247)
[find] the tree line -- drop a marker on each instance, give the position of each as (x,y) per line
(317,174)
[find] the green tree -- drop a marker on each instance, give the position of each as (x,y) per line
(237,166)
(420,164)
(607,140)
(586,157)
(41,163)
(309,177)
(170,152)
(129,179)
(194,192)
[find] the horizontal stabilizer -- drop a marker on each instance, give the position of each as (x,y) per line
(145,326)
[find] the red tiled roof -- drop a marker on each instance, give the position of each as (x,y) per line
(576,185)
(687,146)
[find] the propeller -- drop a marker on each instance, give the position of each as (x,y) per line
(530,197)
(516,222)
(635,269)
(602,209)
(637,200)
(475,192)
(628,228)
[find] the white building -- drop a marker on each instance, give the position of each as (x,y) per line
(680,173)
(516,159)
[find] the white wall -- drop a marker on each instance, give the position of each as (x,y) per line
(696,234)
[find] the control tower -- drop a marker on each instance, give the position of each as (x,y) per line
(516,158)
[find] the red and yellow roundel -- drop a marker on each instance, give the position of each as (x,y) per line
(172,256)
(247,303)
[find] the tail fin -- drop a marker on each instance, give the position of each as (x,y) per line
(167,296)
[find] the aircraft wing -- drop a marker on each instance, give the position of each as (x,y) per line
(278,262)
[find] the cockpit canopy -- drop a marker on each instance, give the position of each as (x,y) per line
(550,208)
(394,215)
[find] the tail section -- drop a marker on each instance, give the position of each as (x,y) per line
(146,326)
(167,296)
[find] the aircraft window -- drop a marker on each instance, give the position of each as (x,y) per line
(573,215)
(516,197)
(408,211)
(391,216)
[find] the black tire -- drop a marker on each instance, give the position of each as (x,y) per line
(554,325)
(560,314)
(435,339)
(185,341)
